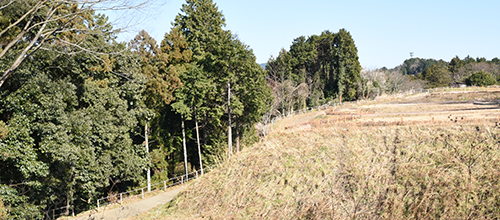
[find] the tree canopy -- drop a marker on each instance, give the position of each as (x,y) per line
(71,127)
(315,70)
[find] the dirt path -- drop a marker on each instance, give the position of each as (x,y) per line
(133,209)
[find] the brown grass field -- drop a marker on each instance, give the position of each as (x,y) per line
(423,156)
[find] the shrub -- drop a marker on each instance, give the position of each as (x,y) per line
(480,78)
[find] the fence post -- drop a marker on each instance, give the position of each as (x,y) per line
(98,205)
(142,192)
(121,199)
(165,185)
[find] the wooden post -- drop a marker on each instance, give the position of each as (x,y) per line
(98,205)
(121,199)
(165,185)
(142,192)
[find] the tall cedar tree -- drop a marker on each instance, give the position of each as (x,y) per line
(225,63)
(328,65)
(162,65)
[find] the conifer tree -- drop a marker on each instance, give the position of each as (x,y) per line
(225,63)
(347,65)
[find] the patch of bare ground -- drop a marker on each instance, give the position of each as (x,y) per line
(370,161)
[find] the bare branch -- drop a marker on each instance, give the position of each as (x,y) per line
(34,9)
(94,54)
(45,34)
(7,5)
(22,56)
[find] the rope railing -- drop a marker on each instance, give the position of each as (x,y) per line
(58,212)
(122,196)
(165,184)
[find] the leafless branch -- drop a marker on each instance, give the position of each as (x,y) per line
(43,34)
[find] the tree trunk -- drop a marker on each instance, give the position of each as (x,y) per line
(198,138)
(205,129)
(184,148)
(229,135)
(148,173)
(67,203)
(237,134)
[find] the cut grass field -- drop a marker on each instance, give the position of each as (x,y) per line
(418,157)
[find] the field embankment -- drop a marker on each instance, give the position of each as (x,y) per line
(411,158)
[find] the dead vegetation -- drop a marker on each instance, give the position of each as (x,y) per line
(357,164)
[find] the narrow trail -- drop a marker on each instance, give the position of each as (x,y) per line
(130,210)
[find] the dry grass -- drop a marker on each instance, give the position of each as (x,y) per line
(341,165)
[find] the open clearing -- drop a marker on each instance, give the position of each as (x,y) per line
(442,108)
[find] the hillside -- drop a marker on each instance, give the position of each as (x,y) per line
(409,157)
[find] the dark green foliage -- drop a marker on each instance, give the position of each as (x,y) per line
(71,124)
(221,59)
(415,66)
(480,78)
(437,76)
(315,70)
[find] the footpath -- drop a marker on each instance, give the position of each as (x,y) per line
(130,210)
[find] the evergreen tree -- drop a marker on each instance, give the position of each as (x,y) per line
(71,125)
(225,63)
(347,64)
(480,78)
(437,76)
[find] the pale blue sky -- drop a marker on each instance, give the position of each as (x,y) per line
(385,32)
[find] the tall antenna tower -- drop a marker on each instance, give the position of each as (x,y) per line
(411,54)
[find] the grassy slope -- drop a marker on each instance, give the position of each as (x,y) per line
(353,170)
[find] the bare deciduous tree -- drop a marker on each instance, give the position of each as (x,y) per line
(30,25)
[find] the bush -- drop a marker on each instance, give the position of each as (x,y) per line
(480,78)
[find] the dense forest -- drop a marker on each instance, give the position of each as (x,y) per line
(315,70)
(77,106)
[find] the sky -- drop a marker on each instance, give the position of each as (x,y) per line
(384,31)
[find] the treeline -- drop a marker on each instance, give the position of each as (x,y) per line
(314,71)
(417,73)
(76,104)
